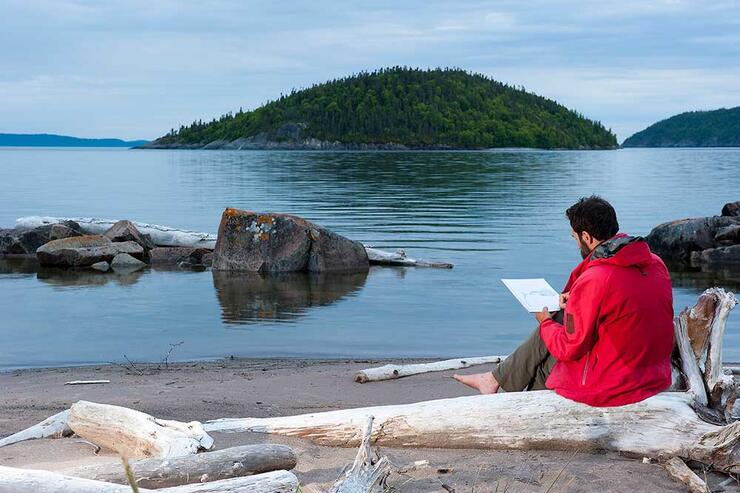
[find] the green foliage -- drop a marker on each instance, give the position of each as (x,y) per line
(414,107)
(718,128)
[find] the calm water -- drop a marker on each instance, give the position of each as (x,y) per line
(493,214)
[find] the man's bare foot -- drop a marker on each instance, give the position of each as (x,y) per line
(485,383)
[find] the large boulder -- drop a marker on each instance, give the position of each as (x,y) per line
(676,240)
(126,231)
(83,251)
(731,209)
(251,241)
(25,241)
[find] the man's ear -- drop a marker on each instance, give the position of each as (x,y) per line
(586,237)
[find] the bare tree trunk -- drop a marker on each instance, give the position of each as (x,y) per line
(32,481)
(134,434)
(390,372)
(232,462)
(52,427)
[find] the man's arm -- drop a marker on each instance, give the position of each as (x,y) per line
(576,336)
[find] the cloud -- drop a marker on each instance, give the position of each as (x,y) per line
(136,68)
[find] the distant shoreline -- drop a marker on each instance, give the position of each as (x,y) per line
(53,140)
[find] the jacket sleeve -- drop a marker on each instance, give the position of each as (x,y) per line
(577,335)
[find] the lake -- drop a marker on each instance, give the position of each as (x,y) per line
(493,214)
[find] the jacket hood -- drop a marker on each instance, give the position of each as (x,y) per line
(623,250)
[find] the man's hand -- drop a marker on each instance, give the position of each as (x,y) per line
(564,299)
(543,315)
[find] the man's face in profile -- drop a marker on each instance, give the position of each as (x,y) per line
(582,246)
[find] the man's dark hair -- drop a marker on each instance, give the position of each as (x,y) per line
(595,216)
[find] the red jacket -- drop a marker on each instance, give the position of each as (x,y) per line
(615,346)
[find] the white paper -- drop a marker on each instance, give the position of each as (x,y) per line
(534,294)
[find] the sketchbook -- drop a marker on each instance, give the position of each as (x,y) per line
(534,294)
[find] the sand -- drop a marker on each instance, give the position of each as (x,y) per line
(261,387)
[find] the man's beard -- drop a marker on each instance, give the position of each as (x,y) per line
(585,250)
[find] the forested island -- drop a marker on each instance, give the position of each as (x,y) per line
(52,140)
(399,108)
(718,128)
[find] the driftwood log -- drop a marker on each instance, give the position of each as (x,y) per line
(682,473)
(134,434)
(390,372)
(366,475)
(399,258)
(232,462)
(671,424)
(52,427)
(31,481)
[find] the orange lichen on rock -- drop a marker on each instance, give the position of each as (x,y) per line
(231,212)
(264,236)
(265,219)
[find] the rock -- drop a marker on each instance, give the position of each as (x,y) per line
(126,231)
(249,241)
(101,266)
(125,262)
(59,231)
(185,256)
(731,209)
(676,240)
(717,258)
(728,235)
(83,251)
(25,241)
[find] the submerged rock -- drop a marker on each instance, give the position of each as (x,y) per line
(83,251)
(125,262)
(101,266)
(250,241)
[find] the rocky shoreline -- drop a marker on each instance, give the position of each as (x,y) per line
(289,138)
(709,244)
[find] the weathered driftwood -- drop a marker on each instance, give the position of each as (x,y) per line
(698,334)
(366,475)
(231,462)
(380,257)
(134,434)
(52,427)
(32,481)
(389,372)
(663,426)
(679,471)
(86,382)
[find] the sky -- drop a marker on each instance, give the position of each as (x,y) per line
(134,69)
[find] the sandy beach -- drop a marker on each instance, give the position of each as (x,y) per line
(268,387)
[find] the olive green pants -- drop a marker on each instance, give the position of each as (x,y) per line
(528,367)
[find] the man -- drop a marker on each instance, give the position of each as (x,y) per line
(611,343)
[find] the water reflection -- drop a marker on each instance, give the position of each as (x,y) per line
(250,297)
(59,277)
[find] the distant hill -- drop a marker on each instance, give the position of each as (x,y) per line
(51,140)
(718,128)
(399,108)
